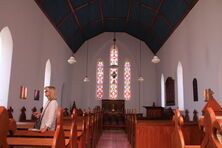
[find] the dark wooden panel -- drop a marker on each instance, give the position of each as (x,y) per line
(113,113)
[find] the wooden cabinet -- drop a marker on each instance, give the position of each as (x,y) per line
(113,113)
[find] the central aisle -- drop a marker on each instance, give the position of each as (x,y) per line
(113,139)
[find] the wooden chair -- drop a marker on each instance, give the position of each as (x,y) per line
(211,126)
(4,126)
(177,135)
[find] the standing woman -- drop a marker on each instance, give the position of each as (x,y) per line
(48,115)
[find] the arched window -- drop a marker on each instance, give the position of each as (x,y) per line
(127,80)
(162,91)
(195,90)
(180,86)
(113,74)
(47,78)
(0,47)
(99,79)
(6,50)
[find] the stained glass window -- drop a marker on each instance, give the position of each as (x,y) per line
(99,79)
(113,74)
(127,79)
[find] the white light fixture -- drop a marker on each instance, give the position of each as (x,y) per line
(86,79)
(140,79)
(71,60)
(114,47)
(155,59)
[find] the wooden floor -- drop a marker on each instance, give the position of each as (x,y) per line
(113,139)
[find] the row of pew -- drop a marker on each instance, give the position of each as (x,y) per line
(174,133)
(71,131)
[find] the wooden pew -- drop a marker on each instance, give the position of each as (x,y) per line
(130,126)
(211,125)
(73,132)
(157,133)
(57,141)
(72,136)
(153,133)
(4,126)
(177,135)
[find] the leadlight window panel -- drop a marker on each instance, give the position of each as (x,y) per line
(114,56)
(113,85)
(99,79)
(113,74)
(127,80)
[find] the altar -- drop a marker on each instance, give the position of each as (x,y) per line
(113,114)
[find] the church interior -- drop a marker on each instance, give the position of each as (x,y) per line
(127,73)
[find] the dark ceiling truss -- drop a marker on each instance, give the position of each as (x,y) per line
(155,17)
(156,10)
(186,2)
(84,4)
(129,11)
(79,20)
(62,20)
(101,13)
(178,23)
(74,14)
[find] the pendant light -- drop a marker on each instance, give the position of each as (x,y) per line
(86,79)
(155,59)
(114,47)
(140,79)
(71,60)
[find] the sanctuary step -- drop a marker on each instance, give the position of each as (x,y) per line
(113,139)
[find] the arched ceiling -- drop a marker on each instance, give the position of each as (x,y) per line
(151,21)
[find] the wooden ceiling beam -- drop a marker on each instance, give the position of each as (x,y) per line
(155,17)
(129,11)
(84,4)
(74,15)
(62,21)
(101,11)
(185,1)
(163,40)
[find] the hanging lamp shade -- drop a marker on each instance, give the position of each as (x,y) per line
(155,59)
(86,78)
(140,79)
(71,60)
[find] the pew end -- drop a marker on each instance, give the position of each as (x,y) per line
(178,140)
(4,126)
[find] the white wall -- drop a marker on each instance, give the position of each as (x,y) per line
(99,47)
(34,41)
(197,43)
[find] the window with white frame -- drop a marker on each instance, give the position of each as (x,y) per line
(162,91)
(47,78)
(180,86)
(6,50)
